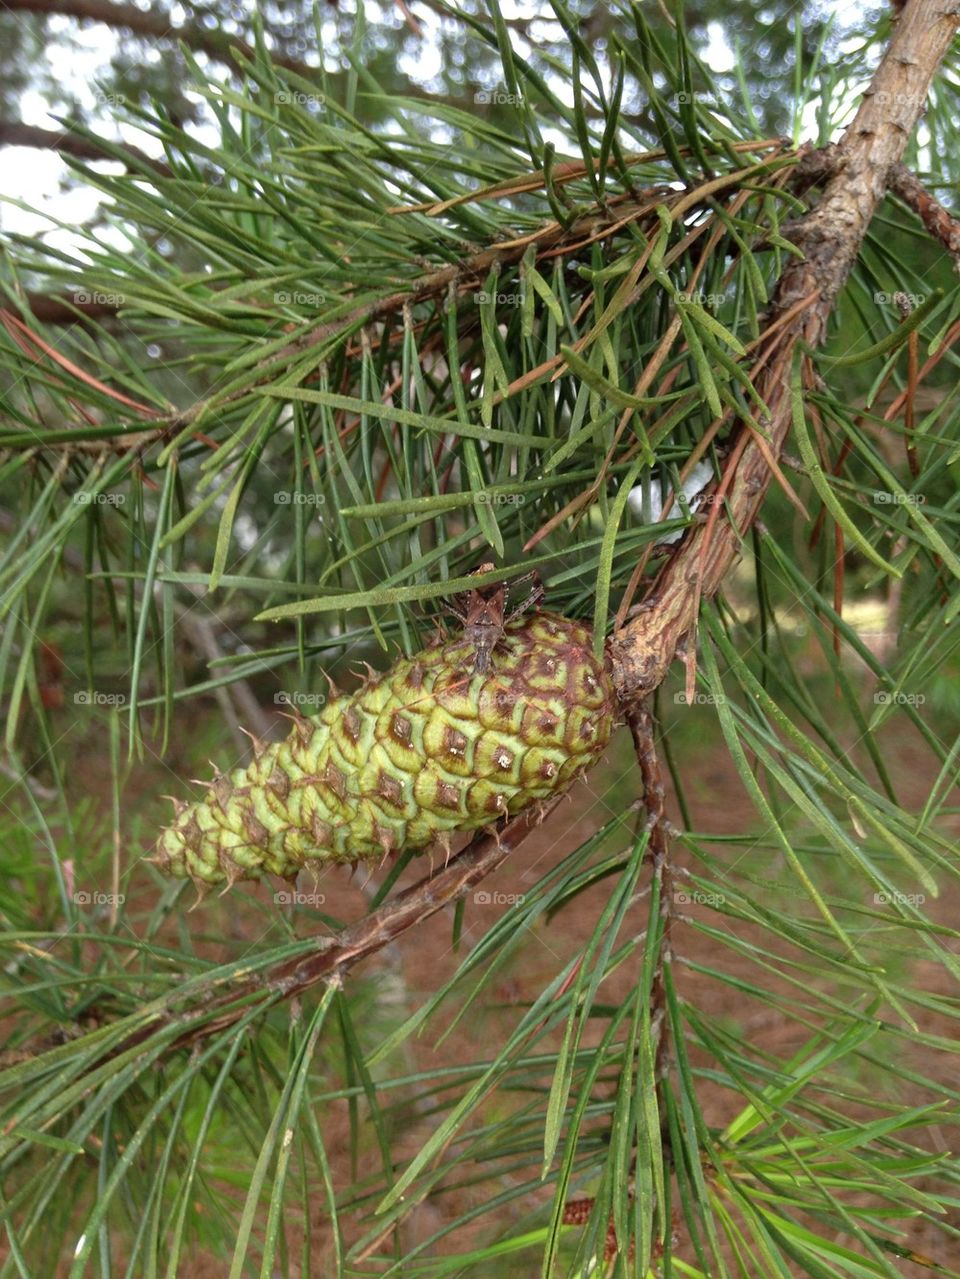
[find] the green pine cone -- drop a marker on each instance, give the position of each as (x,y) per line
(429,748)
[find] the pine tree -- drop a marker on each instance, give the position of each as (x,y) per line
(699,379)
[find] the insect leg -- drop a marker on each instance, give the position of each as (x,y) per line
(534,597)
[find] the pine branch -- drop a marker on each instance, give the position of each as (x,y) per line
(465,276)
(943,226)
(831,236)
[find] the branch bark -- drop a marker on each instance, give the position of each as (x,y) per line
(830,236)
(943,226)
(155,24)
(14,133)
(50,309)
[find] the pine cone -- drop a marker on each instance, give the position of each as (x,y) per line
(429,748)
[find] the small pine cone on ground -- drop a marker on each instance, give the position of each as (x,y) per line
(427,749)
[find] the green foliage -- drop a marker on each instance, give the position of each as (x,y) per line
(351,362)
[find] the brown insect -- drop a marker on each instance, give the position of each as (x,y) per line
(483,613)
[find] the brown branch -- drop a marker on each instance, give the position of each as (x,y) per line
(332,956)
(48,308)
(641,724)
(943,226)
(830,236)
(423,899)
(463,276)
(14,133)
(155,24)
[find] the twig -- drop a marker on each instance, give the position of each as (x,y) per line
(464,276)
(49,308)
(333,956)
(943,226)
(641,724)
(409,19)
(250,712)
(37,788)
